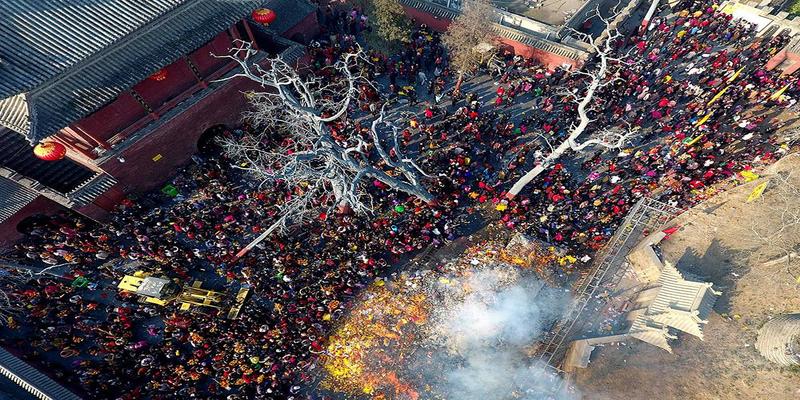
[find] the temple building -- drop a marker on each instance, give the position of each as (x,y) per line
(673,304)
(527,28)
(663,303)
(117,93)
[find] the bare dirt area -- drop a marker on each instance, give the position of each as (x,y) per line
(717,243)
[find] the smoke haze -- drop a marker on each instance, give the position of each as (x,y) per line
(484,333)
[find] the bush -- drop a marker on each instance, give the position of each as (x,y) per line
(794,8)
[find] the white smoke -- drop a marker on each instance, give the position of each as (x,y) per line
(484,332)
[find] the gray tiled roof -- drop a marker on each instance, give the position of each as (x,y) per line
(71,57)
(13,197)
(289,13)
(43,39)
(35,382)
(14,113)
(63,175)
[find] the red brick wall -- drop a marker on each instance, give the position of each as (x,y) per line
(93,211)
(309,27)
(546,58)
(179,79)
(421,17)
(108,200)
(550,60)
(176,140)
(112,118)
(205,62)
(125,110)
(40,205)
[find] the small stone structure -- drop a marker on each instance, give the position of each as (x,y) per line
(779,340)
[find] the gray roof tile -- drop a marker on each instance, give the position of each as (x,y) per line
(71,57)
(289,13)
(13,197)
(47,388)
(43,39)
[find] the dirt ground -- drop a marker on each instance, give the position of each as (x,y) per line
(716,243)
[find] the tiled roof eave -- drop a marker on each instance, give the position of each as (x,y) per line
(104,86)
(14,113)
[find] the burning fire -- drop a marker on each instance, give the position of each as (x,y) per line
(364,354)
(377,351)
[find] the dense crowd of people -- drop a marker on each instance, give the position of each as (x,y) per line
(106,344)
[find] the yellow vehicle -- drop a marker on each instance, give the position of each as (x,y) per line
(162,291)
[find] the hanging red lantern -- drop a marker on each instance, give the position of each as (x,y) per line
(159,75)
(264,16)
(50,151)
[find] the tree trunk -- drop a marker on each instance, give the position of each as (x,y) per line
(537,170)
(260,238)
(414,190)
(459,82)
(570,141)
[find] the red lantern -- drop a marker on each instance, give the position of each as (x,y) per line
(264,16)
(159,75)
(50,151)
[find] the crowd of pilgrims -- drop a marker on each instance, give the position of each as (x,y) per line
(104,343)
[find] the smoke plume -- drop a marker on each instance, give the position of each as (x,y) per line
(484,329)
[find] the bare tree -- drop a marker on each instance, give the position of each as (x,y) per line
(297,149)
(602,73)
(469,37)
(789,136)
(12,277)
(775,235)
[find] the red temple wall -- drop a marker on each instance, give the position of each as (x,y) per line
(546,58)
(421,17)
(308,27)
(112,118)
(205,62)
(158,156)
(156,93)
(40,205)
(126,111)
(175,141)
(549,60)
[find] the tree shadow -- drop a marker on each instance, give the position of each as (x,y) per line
(710,210)
(717,265)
